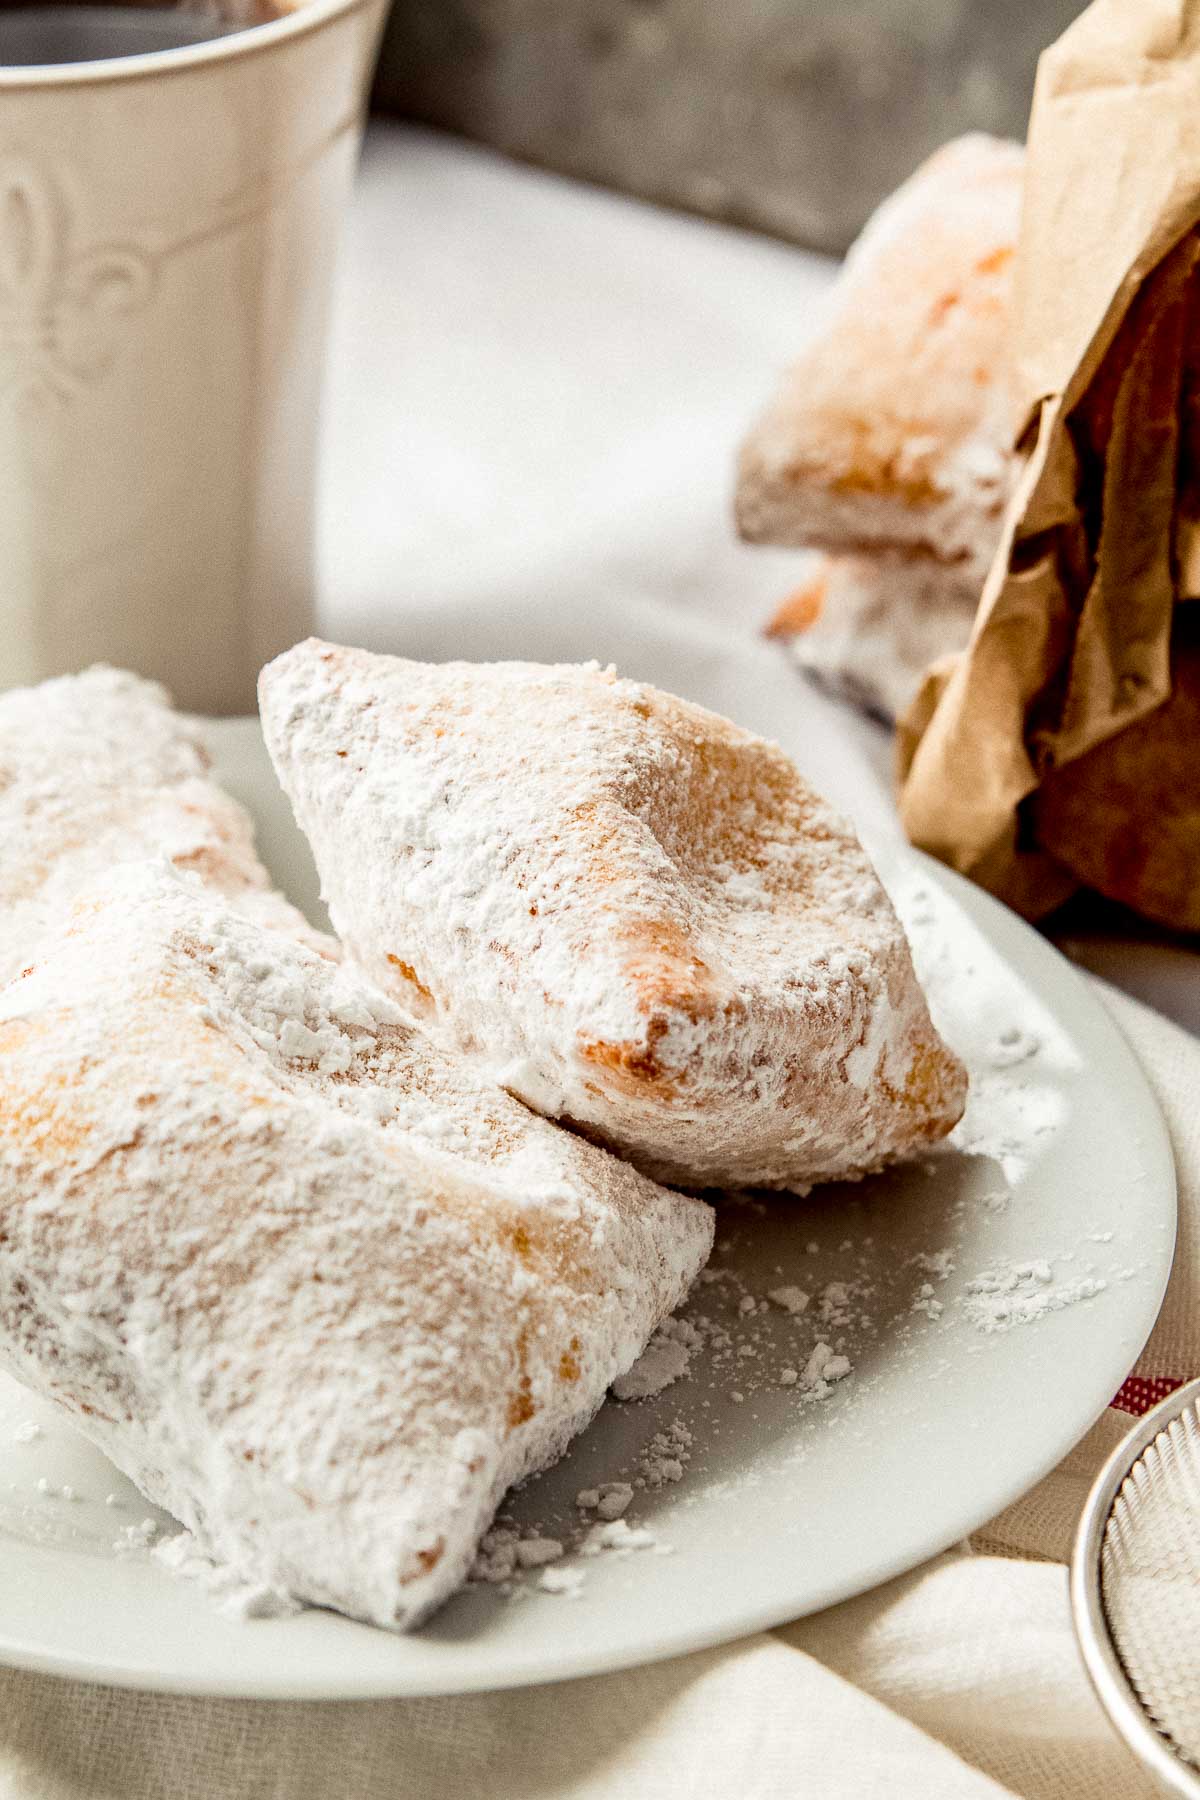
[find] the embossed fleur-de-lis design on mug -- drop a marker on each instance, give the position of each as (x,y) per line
(62,313)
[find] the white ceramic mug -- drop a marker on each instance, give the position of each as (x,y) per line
(168,225)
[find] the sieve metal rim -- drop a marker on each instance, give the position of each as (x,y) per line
(1104,1668)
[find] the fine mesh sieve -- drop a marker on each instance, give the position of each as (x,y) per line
(1135,1590)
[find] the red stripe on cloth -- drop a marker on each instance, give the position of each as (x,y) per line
(1138,1396)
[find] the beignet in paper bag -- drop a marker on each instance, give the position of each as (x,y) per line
(1073,643)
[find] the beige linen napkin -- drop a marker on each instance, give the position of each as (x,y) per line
(960,1679)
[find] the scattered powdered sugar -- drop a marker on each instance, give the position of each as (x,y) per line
(823,1367)
(935,1262)
(132,1540)
(619,1536)
(790,1339)
(505,1550)
(506,1553)
(1014,1293)
(927,1303)
(665,1456)
(664,1360)
(51,1491)
(729,1347)
(536,1552)
(836,1303)
(562,1581)
(27,1433)
(611,1499)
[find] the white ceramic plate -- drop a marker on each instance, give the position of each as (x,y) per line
(786,1502)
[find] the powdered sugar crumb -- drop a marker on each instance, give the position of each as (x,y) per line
(535,1552)
(562,1581)
(824,1366)
(664,1360)
(792,1299)
(618,1536)
(133,1539)
(1015,1293)
(939,1263)
(927,1303)
(665,1456)
(610,1500)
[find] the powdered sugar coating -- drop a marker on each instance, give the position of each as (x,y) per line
(894,427)
(312,1286)
(274,1253)
(96,769)
(867,626)
(631,913)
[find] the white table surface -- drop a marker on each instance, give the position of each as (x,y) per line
(535,394)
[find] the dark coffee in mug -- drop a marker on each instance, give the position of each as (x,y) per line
(37,36)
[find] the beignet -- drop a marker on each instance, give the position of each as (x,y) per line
(98,769)
(303,1278)
(633,915)
(894,427)
(868,626)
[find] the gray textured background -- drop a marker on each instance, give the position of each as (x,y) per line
(791,115)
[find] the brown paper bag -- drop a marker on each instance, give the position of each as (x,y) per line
(1072,643)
